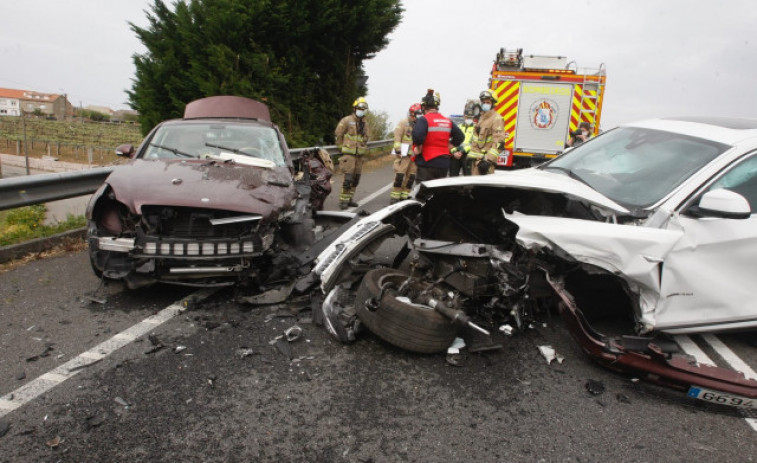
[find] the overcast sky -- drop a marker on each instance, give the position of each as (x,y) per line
(663,57)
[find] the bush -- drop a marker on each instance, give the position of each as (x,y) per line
(30,217)
(27,223)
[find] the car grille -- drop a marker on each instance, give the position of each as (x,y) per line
(184,222)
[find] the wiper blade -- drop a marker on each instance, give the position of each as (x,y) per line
(173,150)
(227,148)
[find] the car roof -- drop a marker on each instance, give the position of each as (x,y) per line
(227,106)
(719,129)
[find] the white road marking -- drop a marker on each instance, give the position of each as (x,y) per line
(690,347)
(373,195)
(735,362)
(49,380)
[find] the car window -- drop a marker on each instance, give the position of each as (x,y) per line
(637,167)
(200,140)
(742,179)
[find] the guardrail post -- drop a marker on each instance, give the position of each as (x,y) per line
(89,156)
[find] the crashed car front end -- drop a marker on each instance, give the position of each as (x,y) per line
(494,255)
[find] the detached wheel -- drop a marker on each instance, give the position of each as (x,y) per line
(412,327)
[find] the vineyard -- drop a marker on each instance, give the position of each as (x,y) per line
(72,140)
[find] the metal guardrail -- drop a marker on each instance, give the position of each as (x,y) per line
(41,188)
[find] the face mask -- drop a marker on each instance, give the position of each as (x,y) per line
(469,122)
(486,106)
(360,113)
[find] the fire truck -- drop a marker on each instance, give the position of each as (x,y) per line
(543,99)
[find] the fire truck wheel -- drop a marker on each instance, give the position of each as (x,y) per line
(413,327)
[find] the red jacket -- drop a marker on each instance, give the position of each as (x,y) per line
(437,138)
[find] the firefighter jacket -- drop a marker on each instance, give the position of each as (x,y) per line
(489,137)
(403,133)
(352,135)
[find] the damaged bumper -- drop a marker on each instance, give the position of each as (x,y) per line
(648,359)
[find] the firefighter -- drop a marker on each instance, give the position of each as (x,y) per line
(459,162)
(432,136)
(404,167)
(489,137)
(352,135)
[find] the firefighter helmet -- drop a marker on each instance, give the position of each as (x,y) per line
(415,110)
(431,99)
(472,109)
(486,94)
(360,103)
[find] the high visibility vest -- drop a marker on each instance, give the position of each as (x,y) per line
(437,138)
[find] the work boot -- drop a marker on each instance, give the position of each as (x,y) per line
(343,205)
(352,203)
(394,200)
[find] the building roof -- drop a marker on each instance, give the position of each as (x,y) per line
(27,95)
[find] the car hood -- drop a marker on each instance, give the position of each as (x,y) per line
(527,179)
(264,191)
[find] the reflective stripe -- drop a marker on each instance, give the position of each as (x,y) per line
(440,129)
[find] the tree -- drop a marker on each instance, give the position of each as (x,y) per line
(379,124)
(301,57)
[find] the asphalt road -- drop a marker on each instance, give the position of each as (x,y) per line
(111,375)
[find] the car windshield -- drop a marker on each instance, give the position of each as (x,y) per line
(637,167)
(215,140)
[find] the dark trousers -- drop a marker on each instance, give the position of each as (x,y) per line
(430,173)
(459,166)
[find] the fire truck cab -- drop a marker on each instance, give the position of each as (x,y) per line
(542,100)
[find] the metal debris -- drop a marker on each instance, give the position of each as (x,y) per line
(595,387)
(550,354)
(179,349)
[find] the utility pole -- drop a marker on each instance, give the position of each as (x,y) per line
(26,148)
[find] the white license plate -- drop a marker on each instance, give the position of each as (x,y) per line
(721,397)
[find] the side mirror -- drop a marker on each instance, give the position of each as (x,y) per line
(722,203)
(126,150)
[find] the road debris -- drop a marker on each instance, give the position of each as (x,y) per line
(156,344)
(212,381)
(95,420)
(179,349)
(550,354)
(21,375)
(45,353)
(4,427)
(121,402)
(486,347)
(595,387)
(55,442)
(506,329)
(293,333)
(244,352)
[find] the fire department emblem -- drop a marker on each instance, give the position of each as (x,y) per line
(543,114)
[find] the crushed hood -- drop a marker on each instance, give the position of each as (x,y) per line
(209,185)
(528,179)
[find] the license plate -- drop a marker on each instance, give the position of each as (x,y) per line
(721,397)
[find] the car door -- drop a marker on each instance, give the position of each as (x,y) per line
(708,280)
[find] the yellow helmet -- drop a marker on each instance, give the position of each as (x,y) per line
(360,103)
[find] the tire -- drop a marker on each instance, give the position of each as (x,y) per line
(411,327)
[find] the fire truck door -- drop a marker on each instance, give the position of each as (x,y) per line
(543,117)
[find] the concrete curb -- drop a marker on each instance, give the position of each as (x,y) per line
(16,251)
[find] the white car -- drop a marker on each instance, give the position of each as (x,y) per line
(651,222)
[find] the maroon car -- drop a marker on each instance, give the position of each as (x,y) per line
(206,200)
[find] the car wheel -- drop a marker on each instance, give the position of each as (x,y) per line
(413,327)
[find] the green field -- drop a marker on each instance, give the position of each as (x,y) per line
(66,140)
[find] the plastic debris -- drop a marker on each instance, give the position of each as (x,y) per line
(594,387)
(121,402)
(243,352)
(456,345)
(506,329)
(55,442)
(550,354)
(283,345)
(293,333)
(95,421)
